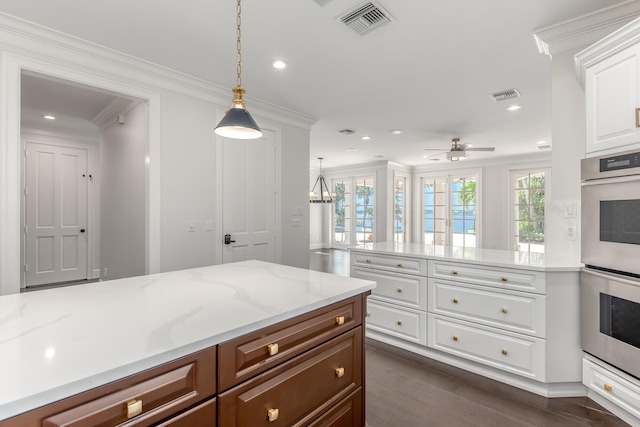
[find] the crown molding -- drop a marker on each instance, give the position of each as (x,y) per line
(108,115)
(586,29)
(59,48)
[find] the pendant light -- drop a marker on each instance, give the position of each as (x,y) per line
(325,195)
(237,123)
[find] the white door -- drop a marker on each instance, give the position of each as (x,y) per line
(56,214)
(249,198)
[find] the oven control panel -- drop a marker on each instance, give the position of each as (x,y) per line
(622,164)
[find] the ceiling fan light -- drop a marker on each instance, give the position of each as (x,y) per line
(456,155)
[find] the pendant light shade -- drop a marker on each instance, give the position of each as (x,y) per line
(237,123)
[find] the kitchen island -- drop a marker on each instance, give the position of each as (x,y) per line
(510,316)
(195,337)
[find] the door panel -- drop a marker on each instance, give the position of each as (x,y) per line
(249,198)
(56,214)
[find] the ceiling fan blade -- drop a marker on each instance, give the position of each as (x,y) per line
(436,155)
(480,149)
(436,149)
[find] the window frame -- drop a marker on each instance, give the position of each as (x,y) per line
(353,233)
(530,170)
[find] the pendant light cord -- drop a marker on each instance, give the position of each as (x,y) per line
(239,45)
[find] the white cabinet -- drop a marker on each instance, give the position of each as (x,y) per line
(613,102)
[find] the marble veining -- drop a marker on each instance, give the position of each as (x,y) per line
(490,257)
(58,342)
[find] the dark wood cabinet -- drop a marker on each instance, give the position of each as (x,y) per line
(308,370)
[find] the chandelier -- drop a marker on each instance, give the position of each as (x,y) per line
(325,195)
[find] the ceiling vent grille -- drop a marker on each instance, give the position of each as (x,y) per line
(347,131)
(505,95)
(365,18)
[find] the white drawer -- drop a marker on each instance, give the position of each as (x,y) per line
(514,311)
(518,354)
(403,289)
(404,323)
(504,278)
(398,264)
(611,386)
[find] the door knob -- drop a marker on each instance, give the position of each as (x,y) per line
(227,239)
(82,230)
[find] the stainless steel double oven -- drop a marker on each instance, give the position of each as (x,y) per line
(610,281)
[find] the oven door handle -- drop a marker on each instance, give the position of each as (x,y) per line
(615,180)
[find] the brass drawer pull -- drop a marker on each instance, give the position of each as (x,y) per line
(368,261)
(339,372)
(272,414)
(455,300)
(340,320)
(399,322)
(504,278)
(455,338)
(134,407)
(272,349)
(399,265)
(399,290)
(608,387)
(368,314)
(638,117)
(504,310)
(504,352)
(454,272)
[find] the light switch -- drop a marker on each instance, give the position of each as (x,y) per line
(192,225)
(295,222)
(208,225)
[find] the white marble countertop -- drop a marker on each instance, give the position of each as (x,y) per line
(58,342)
(488,257)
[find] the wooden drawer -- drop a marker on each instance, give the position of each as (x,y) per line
(403,289)
(300,390)
(504,278)
(164,391)
(250,354)
(347,413)
(400,322)
(399,264)
(514,311)
(611,386)
(519,354)
(202,415)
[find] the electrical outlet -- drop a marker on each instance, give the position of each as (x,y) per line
(570,233)
(104,273)
(191,224)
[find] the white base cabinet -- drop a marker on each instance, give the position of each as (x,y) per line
(516,325)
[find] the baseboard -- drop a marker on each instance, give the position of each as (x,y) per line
(315,246)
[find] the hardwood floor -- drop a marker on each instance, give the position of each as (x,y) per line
(407,390)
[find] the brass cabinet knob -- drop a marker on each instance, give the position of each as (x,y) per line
(504,351)
(272,414)
(399,290)
(455,300)
(399,265)
(368,314)
(340,372)
(454,272)
(455,338)
(340,320)
(272,349)
(368,261)
(505,310)
(504,278)
(399,322)
(608,387)
(134,407)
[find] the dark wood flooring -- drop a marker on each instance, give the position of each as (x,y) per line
(407,390)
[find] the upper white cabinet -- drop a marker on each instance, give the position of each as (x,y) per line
(610,72)
(613,102)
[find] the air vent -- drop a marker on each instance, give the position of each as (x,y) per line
(365,18)
(505,95)
(347,131)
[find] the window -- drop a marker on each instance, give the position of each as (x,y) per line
(449,210)
(528,195)
(399,209)
(353,211)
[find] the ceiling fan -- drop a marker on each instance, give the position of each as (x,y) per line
(458,151)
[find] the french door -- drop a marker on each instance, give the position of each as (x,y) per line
(353,211)
(449,214)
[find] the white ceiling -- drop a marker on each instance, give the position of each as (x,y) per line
(430,72)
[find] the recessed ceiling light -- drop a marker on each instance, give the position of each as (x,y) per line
(434,160)
(378,156)
(49,117)
(514,107)
(279,64)
(366,138)
(396,131)
(351,150)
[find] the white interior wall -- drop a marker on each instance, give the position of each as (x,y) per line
(180,174)
(121,178)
